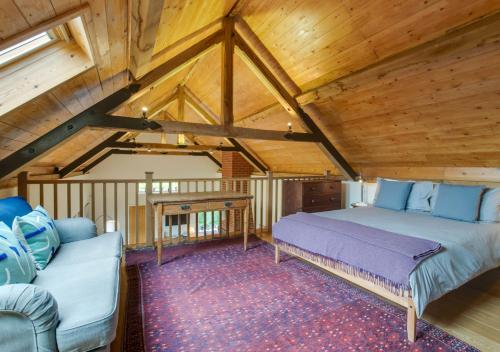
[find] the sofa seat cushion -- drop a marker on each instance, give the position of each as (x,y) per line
(108,245)
(87,296)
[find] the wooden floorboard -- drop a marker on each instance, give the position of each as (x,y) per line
(470,313)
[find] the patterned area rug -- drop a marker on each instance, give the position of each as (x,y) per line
(214,297)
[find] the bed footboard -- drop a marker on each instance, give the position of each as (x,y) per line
(406,301)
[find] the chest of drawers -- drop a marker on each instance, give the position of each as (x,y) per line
(311,196)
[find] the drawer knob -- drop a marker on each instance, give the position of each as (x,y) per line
(332,199)
(313,201)
(228,204)
(313,188)
(185,207)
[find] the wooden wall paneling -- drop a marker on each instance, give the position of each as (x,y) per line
(63,63)
(35,12)
(179,19)
(117,12)
(61,6)
(96,23)
(12,20)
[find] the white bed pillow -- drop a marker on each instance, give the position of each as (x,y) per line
(490,206)
(420,195)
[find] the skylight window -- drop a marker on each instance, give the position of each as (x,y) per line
(22,48)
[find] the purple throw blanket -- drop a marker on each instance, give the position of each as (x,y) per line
(382,256)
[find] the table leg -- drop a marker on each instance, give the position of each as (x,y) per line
(159,230)
(246,217)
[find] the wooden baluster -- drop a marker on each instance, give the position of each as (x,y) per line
(68,199)
(261,205)
(80,196)
(125,204)
(169,229)
(204,225)
(179,228)
(56,207)
(196,226)
(136,213)
(115,210)
(269,218)
(188,224)
(92,191)
(213,225)
(41,194)
(255,204)
(104,206)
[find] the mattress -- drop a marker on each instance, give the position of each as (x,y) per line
(470,249)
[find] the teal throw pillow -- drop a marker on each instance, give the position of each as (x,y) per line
(16,265)
(38,231)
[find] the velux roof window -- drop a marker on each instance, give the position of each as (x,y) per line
(25,47)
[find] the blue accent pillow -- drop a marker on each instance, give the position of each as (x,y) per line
(16,265)
(420,195)
(490,206)
(393,194)
(12,207)
(458,202)
(39,233)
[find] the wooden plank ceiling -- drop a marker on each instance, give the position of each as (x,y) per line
(389,102)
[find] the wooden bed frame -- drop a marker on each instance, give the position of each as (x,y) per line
(405,301)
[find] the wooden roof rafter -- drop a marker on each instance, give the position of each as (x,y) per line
(273,83)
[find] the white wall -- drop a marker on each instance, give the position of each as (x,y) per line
(352,192)
(121,166)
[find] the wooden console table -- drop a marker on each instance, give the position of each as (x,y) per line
(187,203)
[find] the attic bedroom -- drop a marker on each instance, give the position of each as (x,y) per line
(249,175)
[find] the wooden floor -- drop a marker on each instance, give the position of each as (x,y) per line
(471,313)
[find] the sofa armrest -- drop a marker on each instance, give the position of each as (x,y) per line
(28,318)
(75,229)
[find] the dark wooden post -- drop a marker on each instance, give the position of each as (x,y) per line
(22,184)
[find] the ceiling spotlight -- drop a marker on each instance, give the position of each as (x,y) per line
(144,111)
(290,127)
(149,150)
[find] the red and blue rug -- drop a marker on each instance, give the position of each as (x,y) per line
(215,297)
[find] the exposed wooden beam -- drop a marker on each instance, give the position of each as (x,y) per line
(291,105)
(176,64)
(146,15)
(41,146)
(44,144)
(227,72)
(200,34)
(103,157)
(121,123)
(171,147)
(82,159)
(210,117)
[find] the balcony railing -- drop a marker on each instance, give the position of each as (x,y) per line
(122,204)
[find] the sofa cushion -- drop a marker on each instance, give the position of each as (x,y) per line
(107,245)
(16,265)
(38,232)
(12,207)
(87,296)
(75,229)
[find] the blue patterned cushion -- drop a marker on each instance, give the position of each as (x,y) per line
(37,229)
(16,266)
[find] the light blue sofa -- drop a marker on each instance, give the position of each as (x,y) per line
(73,304)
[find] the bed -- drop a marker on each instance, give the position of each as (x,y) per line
(477,246)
